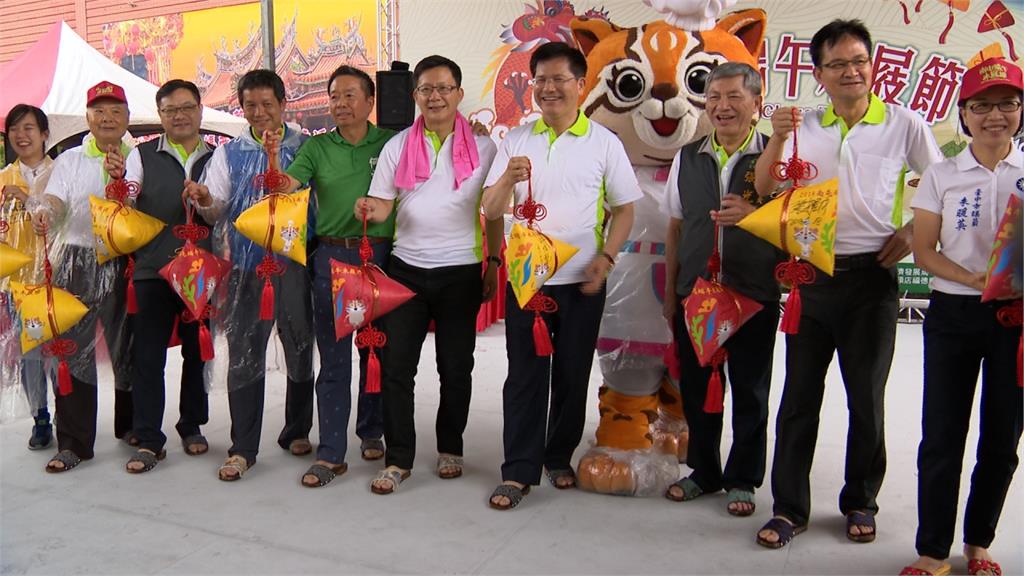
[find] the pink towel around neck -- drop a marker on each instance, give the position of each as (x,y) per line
(414,164)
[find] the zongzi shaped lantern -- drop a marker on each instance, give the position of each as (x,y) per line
(802,222)
(278,223)
(533,258)
(11,260)
(362,294)
(1005,275)
(712,313)
(45,314)
(119,229)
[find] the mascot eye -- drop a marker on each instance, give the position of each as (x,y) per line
(629,85)
(697,78)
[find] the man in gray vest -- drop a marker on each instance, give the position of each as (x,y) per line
(712,180)
(163,167)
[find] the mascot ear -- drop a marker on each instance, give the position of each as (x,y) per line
(747,25)
(589,31)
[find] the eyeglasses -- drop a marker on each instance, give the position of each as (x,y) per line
(442,89)
(558,81)
(986,107)
(842,65)
(172,111)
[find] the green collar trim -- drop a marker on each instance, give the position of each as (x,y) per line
(93,151)
(259,139)
(435,140)
(723,155)
(874,115)
(579,128)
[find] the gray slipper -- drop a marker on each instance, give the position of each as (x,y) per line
(148,459)
(323,474)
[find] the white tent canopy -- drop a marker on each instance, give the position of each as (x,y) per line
(55,73)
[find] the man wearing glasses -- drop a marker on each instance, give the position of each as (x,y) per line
(163,168)
(576,168)
(431,175)
(869,145)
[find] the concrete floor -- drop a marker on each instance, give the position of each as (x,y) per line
(178,519)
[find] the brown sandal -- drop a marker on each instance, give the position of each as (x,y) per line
(236,464)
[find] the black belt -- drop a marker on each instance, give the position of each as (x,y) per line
(856,261)
(351,241)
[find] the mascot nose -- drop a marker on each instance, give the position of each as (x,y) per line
(664,91)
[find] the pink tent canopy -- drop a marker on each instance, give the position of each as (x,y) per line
(55,72)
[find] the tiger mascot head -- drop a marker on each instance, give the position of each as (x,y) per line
(647,83)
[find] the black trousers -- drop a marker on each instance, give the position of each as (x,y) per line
(852,313)
(101,287)
(750,377)
(247,338)
(450,296)
(536,434)
(961,338)
(159,306)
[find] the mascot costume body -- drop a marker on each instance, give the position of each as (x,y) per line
(647,85)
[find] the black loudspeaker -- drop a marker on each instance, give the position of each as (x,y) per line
(395,107)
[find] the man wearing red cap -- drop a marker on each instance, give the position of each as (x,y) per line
(63,212)
(959,205)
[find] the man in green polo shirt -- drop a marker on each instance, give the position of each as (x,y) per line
(339,165)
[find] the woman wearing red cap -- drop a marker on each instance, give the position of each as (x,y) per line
(959,205)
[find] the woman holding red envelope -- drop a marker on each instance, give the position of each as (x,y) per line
(959,205)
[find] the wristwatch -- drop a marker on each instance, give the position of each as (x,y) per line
(609,258)
(495,259)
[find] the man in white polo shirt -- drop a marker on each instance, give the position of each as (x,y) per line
(577,167)
(869,145)
(435,171)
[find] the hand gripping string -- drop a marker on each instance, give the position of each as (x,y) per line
(530,210)
(795,169)
(190,232)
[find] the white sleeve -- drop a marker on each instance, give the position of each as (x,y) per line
(922,150)
(383,184)
(60,177)
(217,176)
(929,192)
(133,171)
(671,203)
(500,162)
(620,180)
(486,149)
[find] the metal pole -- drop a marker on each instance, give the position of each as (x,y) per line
(267,20)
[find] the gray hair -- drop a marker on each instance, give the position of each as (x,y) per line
(751,77)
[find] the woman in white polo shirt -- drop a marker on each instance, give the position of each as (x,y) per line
(959,205)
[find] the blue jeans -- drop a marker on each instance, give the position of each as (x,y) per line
(334,382)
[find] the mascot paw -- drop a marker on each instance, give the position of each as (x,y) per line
(599,472)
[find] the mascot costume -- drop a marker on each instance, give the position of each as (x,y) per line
(647,85)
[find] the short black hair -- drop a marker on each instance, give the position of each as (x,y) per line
(177,84)
(346,70)
(436,61)
(556,50)
(20,111)
(833,32)
(261,78)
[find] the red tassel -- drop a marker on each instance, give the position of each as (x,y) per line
(267,302)
(542,337)
(791,313)
(372,373)
(133,304)
(714,402)
(63,378)
(205,343)
(1009,42)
